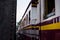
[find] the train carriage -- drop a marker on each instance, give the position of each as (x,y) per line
(41,20)
(50,21)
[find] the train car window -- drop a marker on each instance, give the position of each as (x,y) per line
(29,17)
(49,8)
(26,19)
(34,3)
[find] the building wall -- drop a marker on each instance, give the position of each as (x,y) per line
(7,19)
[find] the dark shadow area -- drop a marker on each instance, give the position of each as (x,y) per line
(7,21)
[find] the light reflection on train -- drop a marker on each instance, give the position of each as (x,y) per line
(41,20)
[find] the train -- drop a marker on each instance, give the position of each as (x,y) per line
(41,20)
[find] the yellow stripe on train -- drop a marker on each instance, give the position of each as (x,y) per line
(30,27)
(50,26)
(46,27)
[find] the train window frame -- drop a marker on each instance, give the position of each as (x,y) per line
(49,9)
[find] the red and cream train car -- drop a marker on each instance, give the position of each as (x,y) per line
(41,20)
(50,20)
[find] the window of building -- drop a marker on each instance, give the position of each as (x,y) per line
(49,8)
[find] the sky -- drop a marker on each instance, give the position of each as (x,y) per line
(21,7)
